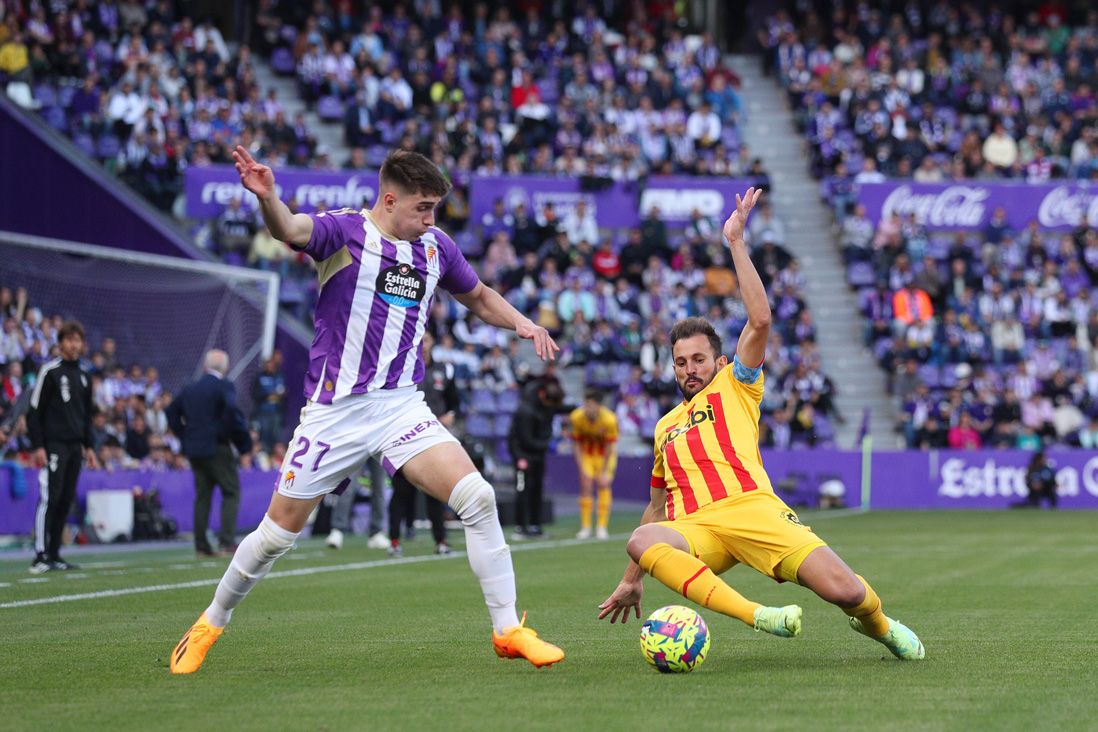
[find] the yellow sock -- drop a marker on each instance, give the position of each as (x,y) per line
(585,511)
(869,612)
(690,577)
(605,499)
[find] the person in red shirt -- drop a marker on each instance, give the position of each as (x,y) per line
(606,263)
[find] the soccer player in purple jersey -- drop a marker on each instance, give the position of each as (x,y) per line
(378,270)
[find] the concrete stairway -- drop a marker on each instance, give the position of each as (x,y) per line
(769,134)
(328,134)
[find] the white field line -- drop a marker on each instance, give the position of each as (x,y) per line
(305,571)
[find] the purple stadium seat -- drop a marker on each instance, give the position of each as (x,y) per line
(85,144)
(479,426)
(330,109)
(65,95)
(930,375)
(375,155)
(507,401)
(107,147)
(861,274)
(45,95)
(483,401)
(55,118)
(282,61)
(503,425)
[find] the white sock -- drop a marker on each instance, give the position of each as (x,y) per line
(474,501)
(251,562)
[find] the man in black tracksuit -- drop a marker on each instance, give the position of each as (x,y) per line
(441,394)
(528,441)
(59,423)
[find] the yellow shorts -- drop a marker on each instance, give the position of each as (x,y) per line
(755,528)
(594,465)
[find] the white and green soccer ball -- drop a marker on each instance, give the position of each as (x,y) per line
(674,639)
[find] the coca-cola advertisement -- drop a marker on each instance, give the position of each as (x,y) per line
(970,204)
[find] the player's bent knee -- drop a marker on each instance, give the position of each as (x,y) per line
(274,541)
(473,497)
(640,540)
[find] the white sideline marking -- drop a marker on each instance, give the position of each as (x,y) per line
(534,545)
(304,571)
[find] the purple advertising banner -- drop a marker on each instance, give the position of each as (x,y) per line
(970,204)
(616,206)
(210,189)
(943,479)
(613,206)
(978,478)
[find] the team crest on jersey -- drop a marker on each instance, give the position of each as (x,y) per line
(289,482)
(432,254)
(401,285)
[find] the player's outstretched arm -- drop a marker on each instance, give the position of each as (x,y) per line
(489,306)
(752,344)
(294,229)
(627,595)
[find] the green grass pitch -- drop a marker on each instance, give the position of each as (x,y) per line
(1004,603)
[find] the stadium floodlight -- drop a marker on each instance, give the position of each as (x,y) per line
(162,311)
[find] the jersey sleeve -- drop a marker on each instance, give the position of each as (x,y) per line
(457,275)
(746,379)
(331,232)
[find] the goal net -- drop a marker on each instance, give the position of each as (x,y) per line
(161,311)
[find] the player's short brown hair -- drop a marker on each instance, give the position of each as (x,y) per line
(592,394)
(689,327)
(70,328)
(413,173)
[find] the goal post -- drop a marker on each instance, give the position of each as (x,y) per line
(161,311)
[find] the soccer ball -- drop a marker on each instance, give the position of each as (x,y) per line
(674,639)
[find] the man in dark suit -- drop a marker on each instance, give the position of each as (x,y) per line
(208,422)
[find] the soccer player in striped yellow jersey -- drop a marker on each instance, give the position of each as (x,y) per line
(595,446)
(712,505)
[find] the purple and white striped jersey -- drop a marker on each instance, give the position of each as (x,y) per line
(375,298)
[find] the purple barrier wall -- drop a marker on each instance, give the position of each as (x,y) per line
(946,479)
(209,190)
(66,196)
(970,204)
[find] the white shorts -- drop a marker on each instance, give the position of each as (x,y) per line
(333,441)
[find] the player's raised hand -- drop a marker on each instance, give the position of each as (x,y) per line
(544,345)
(257,178)
(626,597)
(733,228)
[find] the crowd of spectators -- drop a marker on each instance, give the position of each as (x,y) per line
(612,89)
(609,89)
(145,89)
(612,306)
(129,426)
(941,91)
(989,338)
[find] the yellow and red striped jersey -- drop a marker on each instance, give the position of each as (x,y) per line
(593,437)
(707,448)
